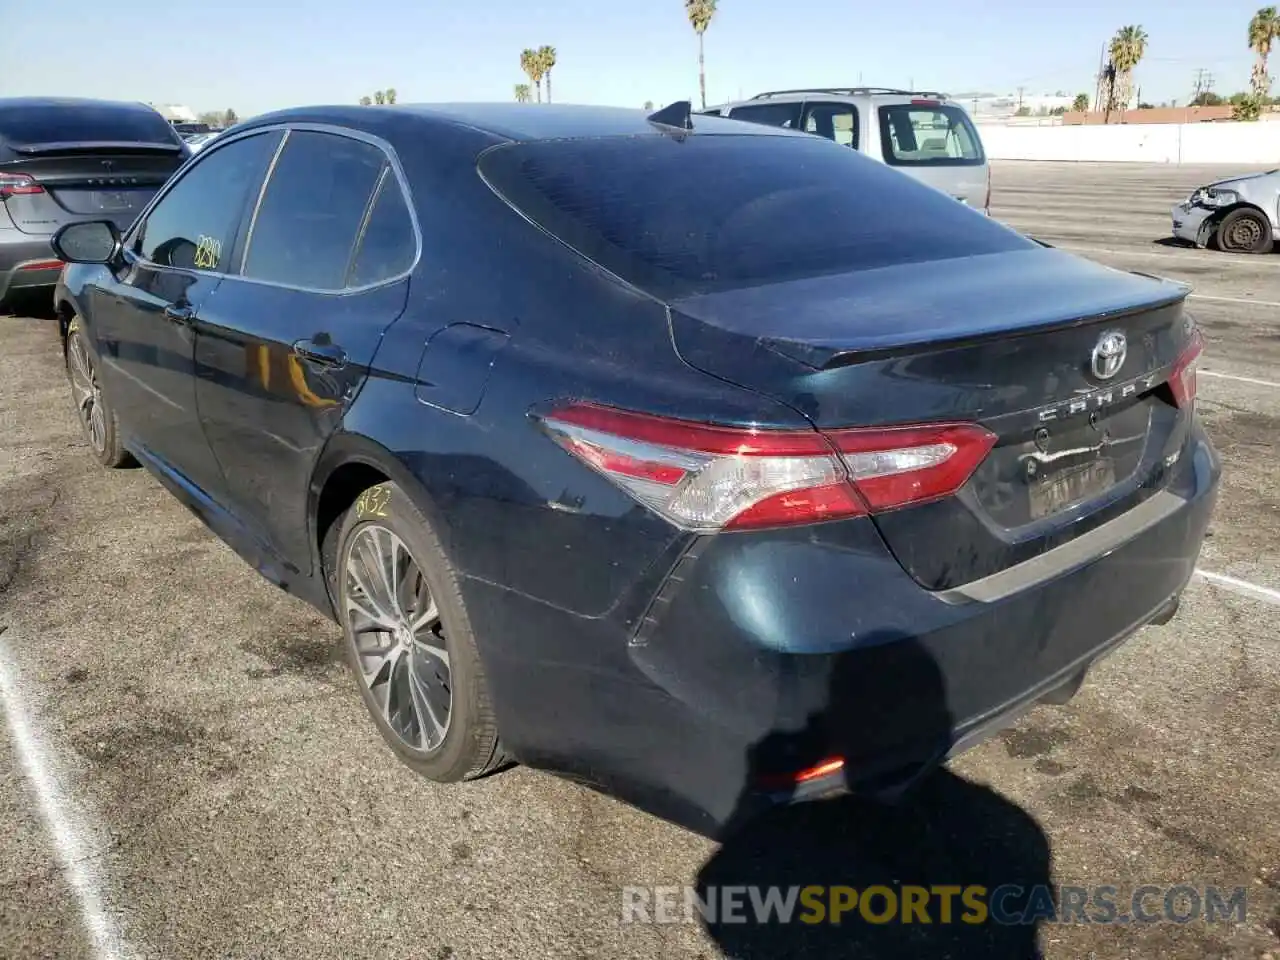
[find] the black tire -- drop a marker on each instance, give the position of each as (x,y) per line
(1244,231)
(470,746)
(103,436)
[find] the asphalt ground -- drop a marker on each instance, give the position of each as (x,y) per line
(186,770)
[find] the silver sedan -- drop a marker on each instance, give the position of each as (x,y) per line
(1240,215)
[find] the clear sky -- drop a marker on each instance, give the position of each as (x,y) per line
(260,55)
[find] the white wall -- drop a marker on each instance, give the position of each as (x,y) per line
(1238,143)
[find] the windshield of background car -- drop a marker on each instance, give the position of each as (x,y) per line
(912,135)
(84,124)
(679,216)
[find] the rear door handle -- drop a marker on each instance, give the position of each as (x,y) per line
(179,314)
(320,350)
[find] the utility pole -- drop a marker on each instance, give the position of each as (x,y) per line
(1020,89)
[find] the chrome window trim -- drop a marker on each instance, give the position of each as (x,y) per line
(1072,555)
(388,152)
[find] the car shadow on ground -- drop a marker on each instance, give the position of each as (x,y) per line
(35,304)
(944,835)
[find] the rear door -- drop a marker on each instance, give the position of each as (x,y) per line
(63,163)
(285,343)
(937,144)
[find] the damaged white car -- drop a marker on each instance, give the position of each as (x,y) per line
(1240,215)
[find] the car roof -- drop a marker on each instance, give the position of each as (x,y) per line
(73,103)
(511,121)
(878,94)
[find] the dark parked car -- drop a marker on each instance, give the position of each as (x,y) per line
(66,160)
(660,458)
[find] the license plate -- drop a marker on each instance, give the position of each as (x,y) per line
(107,200)
(1065,489)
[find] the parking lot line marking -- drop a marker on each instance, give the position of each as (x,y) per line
(1243,587)
(1232,376)
(65,823)
(1248,300)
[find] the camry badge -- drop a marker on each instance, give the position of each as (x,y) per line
(1109,354)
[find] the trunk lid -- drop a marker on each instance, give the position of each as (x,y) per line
(86,181)
(1006,340)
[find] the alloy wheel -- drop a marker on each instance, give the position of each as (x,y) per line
(399,641)
(87,394)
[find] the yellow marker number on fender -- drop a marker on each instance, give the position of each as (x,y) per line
(374,502)
(208,252)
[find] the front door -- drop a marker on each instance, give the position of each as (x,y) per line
(175,260)
(283,347)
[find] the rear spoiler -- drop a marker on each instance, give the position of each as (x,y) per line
(95,146)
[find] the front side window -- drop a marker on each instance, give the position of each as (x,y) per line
(194,224)
(312,211)
(935,136)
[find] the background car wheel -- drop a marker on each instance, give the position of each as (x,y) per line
(97,418)
(409,641)
(1244,231)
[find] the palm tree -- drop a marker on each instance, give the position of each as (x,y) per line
(391,95)
(547,60)
(1081,102)
(1127,49)
(366,102)
(1264,29)
(522,93)
(530,64)
(700,13)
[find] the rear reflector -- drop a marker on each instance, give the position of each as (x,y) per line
(704,478)
(18,185)
(1182,380)
(781,781)
(42,265)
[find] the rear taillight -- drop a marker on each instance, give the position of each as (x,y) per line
(1182,379)
(706,478)
(18,185)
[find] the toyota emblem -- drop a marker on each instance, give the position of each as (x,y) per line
(1109,354)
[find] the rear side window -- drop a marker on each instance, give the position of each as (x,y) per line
(57,123)
(935,136)
(388,245)
(835,121)
(312,210)
(682,216)
(770,114)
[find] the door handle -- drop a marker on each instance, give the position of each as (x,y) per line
(320,350)
(179,313)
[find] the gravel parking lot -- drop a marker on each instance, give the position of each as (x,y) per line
(189,772)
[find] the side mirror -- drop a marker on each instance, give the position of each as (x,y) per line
(94,241)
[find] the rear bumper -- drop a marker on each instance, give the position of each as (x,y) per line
(763,655)
(21,260)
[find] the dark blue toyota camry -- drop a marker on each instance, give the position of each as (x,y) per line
(710,464)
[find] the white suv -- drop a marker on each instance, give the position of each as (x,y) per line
(925,135)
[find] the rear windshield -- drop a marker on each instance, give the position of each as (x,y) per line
(912,135)
(78,123)
(680,216)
